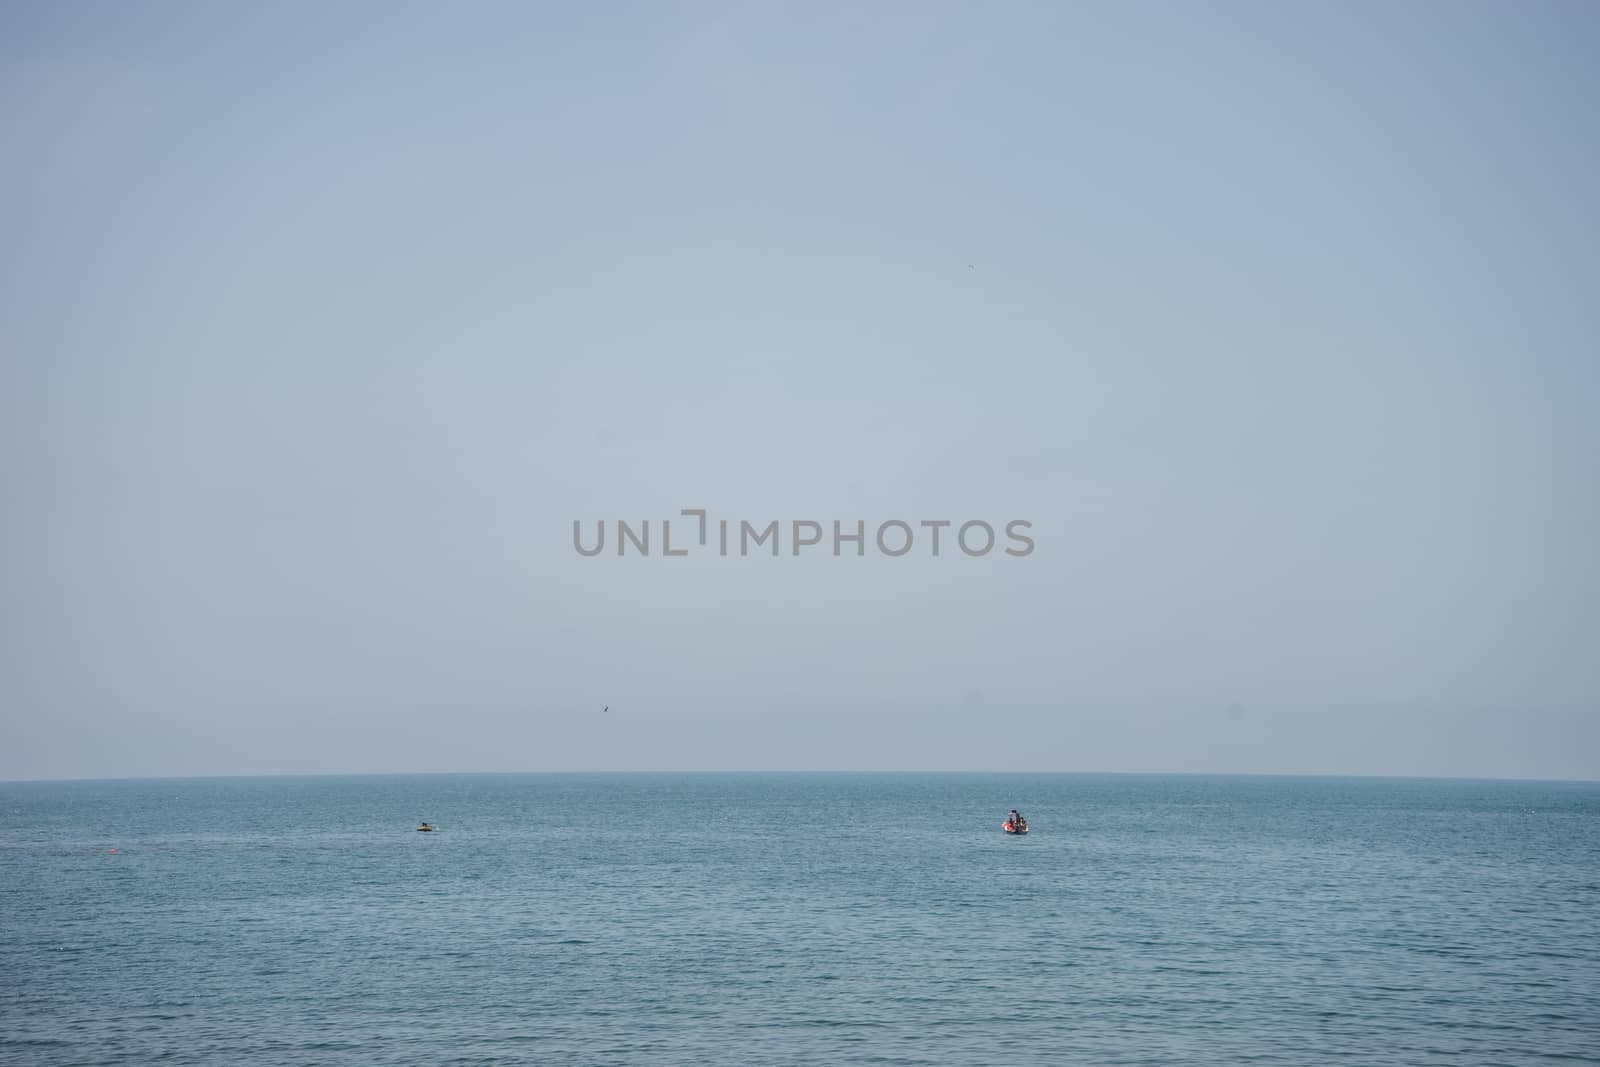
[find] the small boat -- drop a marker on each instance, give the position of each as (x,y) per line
(1017,828)
(425,828)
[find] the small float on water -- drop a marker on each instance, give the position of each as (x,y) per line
(1016,823)
(425,828)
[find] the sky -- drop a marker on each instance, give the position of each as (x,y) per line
(323,324)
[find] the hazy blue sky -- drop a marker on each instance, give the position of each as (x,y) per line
(322,323)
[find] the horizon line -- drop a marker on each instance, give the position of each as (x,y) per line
(769,772)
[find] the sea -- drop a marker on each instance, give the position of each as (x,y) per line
(799,919)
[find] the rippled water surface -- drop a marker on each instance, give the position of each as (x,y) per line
(799,919)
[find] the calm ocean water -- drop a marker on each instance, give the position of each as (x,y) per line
(673,919)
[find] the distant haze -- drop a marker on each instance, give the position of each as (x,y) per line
(321,326)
